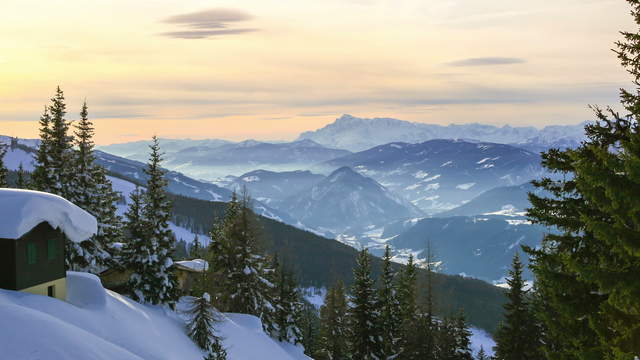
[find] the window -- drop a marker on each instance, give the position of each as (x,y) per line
(32,253)
(51,291)
(51,249)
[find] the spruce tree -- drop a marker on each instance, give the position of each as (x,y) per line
(21,180)
(158,279)
(364,314)
(93,192)
(411,321)
(482,355)
(390,321)
(200,328)
(237,263)
(333,324)
(517,338)
(282,319)
(60,148)
(586,276)
(3,169)
(42,178)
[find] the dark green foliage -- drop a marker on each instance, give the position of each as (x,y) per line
(151,242)
(333,325)
(310,329)
(517,337)
(237,265)
(482,355)
(201,330)
(21,180)
(587,276)
(363,314)
(3,169)
(282,318)
(390,320)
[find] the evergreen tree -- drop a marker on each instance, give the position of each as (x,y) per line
(237,264)
(148,251)
(462,337)
(196,251)
(21,181)
(201,330)
(364,313)
(410,334)
(586,276)
(59,148)
(333,325)
(482,355)
(93,192)
(283,318)
(42,178)
(310,327)
(3,169)
(517,337)
(389,322)
(158,279)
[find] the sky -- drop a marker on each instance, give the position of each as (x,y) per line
(270,69)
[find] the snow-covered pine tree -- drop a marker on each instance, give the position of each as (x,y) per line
(462,336)
(390,321)
(200,327)
(158,280)
(482,355)
(287,306)
(137,248)
(92,191)
(21,180)
(41,178)
(60,148)
(365,336)
(237,262)
(407,297)
(333,324)
(517,336)
(3,169)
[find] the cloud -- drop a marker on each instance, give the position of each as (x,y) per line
(487,61)
(208,23)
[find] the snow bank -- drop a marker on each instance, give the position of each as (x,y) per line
(85,290)
(38,327)
(22,210)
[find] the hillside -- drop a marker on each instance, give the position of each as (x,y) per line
(319,262)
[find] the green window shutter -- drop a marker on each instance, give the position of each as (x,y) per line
(32,253)
(51,249)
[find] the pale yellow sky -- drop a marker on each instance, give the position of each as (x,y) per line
(269,69)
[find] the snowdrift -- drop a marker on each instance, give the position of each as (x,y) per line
(98,324)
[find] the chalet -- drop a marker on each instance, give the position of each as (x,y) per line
(34,227)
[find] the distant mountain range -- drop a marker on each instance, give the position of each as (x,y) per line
(347,201)
(212,159)
(438,175)
(357,134)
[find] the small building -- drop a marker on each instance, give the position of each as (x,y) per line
(34,227)
(186,272)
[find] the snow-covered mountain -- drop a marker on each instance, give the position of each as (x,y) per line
(357,134)
(272,187)
(438,175)
(347,201)
(501,200)
(213,159)
(478,246)
(139,150)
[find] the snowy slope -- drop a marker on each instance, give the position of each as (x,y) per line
(103,325)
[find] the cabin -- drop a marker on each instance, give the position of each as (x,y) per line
(34,227)
(186,271)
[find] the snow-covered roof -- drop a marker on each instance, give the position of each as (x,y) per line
(22,210)
(197,265)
